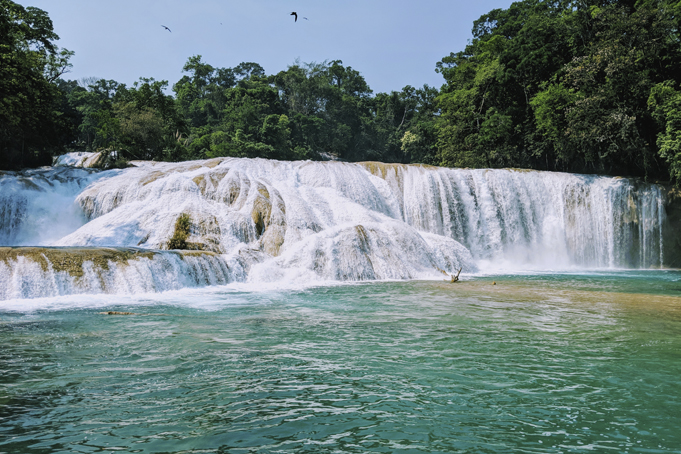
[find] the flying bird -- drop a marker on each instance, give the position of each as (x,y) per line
(294,14)
(306,18)
(166,28)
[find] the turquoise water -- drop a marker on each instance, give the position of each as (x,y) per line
(537,363)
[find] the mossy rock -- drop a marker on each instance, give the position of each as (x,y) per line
(262,210)
(381,169)
(71,259)
(209,182)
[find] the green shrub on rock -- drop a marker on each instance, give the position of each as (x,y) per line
(179,238)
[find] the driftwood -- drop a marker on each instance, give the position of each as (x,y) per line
(452,278)
(456,278)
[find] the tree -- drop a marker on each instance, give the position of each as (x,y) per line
(665,104)
(404,125)
(98,127)
(151,127)
(562,85)
(31,128)
(486,112)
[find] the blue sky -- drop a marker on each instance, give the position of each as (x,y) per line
(392,43)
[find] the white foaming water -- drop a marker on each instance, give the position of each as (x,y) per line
(311,222)
(75,159)
(208,298)
(82,159)
(161,271)
(37,207)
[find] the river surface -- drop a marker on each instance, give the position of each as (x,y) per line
(493,364)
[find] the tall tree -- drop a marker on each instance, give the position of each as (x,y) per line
(31,127)
(563,85)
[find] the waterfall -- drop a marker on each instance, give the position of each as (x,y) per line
(543,219)
(37,206)
(269,221)
(39,272)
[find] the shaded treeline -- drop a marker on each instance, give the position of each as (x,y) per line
(580,86)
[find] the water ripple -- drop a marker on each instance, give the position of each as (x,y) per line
(374,368)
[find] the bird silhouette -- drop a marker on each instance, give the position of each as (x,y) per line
(294,14)
(166,28)
(306,18)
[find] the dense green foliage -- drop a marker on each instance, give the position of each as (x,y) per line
(573,85)
(300,113)
(31,122)
(585,86)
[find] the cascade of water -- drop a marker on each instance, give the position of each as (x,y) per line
(75,159)
(524,218)
(37,206)
(41,272)
(306,221)
(543,219)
